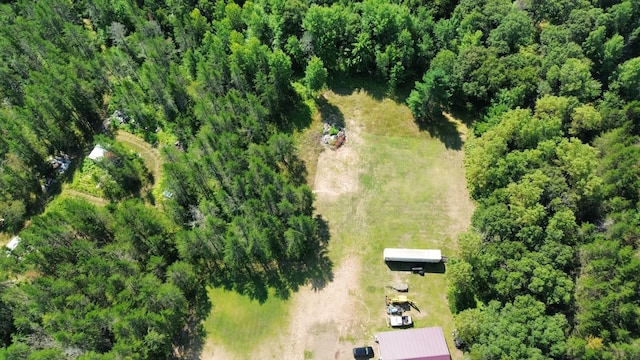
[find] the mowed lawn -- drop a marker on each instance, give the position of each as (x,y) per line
(238,322)
(410,192)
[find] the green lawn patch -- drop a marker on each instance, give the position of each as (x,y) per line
(407,208)
(412,193)
(240,323)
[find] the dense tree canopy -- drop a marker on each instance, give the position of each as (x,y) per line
(210,85)
(552,171)
(548,269)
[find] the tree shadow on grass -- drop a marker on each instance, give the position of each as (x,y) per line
(466,115)
(374,85)
(190,341)
(296,117)
(431,268)
(443,129)
(345,85)
(330,113)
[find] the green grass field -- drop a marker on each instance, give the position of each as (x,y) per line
(411,193)
(235,319)
(406,209)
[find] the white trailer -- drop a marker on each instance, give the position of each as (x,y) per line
(413,255)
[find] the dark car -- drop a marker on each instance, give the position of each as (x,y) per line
(365,352)
(459,343)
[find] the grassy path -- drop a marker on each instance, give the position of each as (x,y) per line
(95,200)
(150,155)
(392,185)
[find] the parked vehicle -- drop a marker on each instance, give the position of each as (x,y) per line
(459,343)
(400,320)
(365,352)
(412,255)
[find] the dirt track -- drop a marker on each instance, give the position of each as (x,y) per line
(323,319)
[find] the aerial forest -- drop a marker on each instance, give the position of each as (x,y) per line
(549,88)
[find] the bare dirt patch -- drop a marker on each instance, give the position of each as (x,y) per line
(336,172)
(320,319)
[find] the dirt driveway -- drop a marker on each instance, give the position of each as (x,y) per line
(323,319)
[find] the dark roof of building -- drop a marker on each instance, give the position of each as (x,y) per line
(413,344)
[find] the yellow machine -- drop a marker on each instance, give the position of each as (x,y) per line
(400,299)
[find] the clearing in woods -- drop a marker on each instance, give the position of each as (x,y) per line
(392,184)
(149,155)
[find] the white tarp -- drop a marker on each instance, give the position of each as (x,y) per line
(97,152)
(13,243)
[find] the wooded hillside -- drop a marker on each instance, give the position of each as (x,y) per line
(549,269)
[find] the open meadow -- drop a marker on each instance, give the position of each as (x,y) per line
(393,184)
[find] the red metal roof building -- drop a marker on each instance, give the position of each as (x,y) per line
(413,344)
